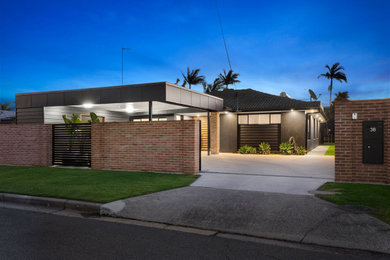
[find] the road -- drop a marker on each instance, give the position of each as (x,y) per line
(36,235)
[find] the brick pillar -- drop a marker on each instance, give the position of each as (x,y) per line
(214,132)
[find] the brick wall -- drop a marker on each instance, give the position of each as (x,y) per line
(25,144)
(349,141)
(160,146)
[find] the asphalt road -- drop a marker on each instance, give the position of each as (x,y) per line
(36,235)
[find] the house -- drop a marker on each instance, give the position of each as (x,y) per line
(256,117)
(229,118)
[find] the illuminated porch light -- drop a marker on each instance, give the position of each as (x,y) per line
(291,110)
(197,115)
(88,105)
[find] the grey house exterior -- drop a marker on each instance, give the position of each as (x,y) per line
(244,116)
(256,117)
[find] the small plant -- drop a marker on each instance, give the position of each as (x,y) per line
(246,149)
(301,150)
(94,118)
(286,148)
(75,119)
(264,148)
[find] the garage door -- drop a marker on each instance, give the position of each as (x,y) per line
(253,135)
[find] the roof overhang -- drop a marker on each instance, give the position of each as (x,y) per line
(159,91)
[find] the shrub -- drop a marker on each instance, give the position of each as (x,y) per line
(264,148)
(286,148)
(246,149)
(301,150)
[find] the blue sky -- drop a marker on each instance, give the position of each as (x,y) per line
(274,45)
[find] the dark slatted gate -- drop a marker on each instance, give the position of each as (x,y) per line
(253,135)
(72,145)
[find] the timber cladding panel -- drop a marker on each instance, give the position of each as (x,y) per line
(349,164)
(26,144)
(204,131)
(159,146)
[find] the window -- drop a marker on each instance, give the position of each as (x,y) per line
(259,119)
(276,118)
(243,119)
(254,119)
(264,119)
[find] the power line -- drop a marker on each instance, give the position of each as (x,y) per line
(223,34)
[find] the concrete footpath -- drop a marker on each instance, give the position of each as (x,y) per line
(297,218)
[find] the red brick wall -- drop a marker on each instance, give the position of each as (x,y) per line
(25,144)
(349,141)
(163,146)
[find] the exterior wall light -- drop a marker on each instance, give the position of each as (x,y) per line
(129,109)
(88,105)
(291,110)
(197,115)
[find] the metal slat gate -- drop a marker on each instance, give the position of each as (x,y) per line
(253,135)
(72,145)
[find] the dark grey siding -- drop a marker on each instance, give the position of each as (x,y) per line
(253,135)
(29,115)
(293,124)
(53,115)
(228,133)
(159,91)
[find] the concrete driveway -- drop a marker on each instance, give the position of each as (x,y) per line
(291,174)
(302,219)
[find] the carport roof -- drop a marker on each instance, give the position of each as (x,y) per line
(252,100)
(158,91)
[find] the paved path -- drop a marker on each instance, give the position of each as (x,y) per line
(291,174)
(297,218)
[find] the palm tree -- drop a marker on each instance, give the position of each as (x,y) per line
(193,77)
(6,106)
(342,95)
(334,73)
(216,85)
(229,78)
(313,95)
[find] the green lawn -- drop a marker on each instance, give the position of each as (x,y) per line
(86,184)
(374,199)
(330,150)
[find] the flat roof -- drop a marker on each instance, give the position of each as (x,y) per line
(156,91)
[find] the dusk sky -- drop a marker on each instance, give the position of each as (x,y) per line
(275,45)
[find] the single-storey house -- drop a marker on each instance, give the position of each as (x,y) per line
(229,118)
(256,117)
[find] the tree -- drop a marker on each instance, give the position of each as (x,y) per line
(342,95)
(313,95)
(7,106)
(334,73)
(229,78)
(216,85)
(192,77)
